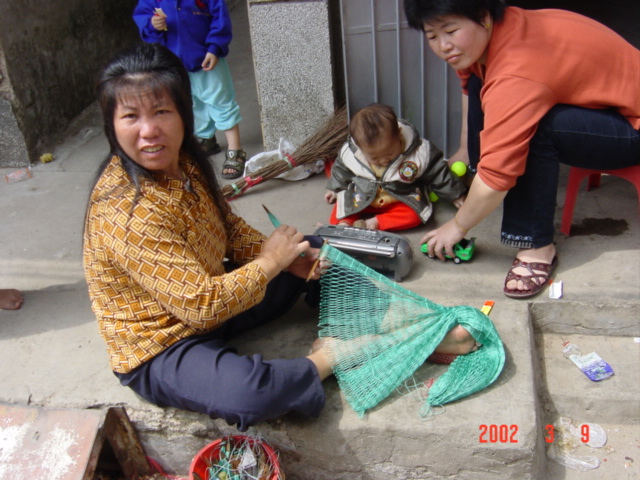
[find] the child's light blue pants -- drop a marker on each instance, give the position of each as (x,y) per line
(214,100)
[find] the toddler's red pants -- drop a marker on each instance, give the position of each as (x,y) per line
(395,216)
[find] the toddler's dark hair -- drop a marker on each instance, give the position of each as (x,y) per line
(368,124)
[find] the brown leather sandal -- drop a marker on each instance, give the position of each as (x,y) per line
(534,282)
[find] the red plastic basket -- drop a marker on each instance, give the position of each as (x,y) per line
(212,450)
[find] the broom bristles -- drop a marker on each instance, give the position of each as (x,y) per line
(322,145)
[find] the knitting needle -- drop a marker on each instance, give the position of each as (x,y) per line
(315,264)
(272,217)
(275,221)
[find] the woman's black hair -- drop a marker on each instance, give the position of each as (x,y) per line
(154,69)
(420,11)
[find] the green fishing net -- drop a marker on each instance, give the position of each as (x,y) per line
(378,334)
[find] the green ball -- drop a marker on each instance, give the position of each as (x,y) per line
(433,197)
(459,168)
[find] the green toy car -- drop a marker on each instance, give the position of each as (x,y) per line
(463,250)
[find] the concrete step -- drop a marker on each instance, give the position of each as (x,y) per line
(613,400)
(618,459)
(613,404)
(494,433)
(391,441)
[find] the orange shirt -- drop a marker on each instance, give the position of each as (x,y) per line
(535,60)
(155,270)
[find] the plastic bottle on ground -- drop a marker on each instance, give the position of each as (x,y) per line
(592,365)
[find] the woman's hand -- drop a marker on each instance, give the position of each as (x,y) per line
(301,266)
(480,202)
(280,250)
(443,238)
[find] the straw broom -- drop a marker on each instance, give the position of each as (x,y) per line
(322,145)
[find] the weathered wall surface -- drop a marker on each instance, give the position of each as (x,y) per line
(50,53)
(294,70)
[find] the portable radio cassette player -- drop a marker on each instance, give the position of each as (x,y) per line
(388,253)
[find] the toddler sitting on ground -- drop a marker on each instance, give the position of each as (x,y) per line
(383,175)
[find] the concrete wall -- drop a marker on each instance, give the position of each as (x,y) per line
(50,53)
(292,53)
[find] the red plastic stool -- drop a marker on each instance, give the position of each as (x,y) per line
(576,175)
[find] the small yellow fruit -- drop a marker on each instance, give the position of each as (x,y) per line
(459,168)
(46,157)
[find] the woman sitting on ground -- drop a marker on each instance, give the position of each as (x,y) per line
(157,232)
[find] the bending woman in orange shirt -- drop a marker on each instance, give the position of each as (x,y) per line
(541,88)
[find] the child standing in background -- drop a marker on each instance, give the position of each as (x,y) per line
(199,33)
(385,172)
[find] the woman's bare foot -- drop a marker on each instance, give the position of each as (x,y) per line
(10,299)
(320,358)
(542,255)
(328,352)
(458,341)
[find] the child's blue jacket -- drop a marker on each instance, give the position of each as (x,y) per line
(194,27)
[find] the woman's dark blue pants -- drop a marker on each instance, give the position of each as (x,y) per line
(204,374)
(575,136)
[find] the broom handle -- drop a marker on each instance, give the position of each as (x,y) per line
(237,189)
(268,172)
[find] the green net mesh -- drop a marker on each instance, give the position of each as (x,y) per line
(378,334)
